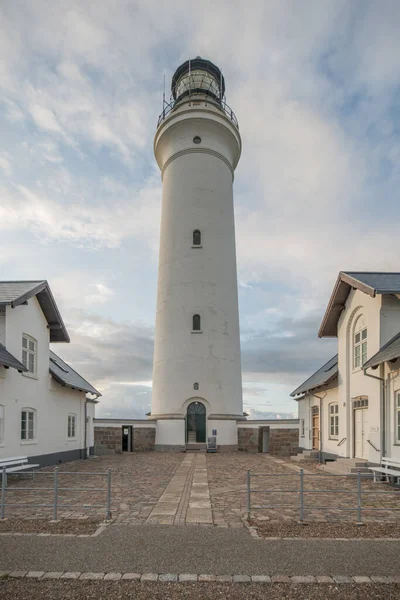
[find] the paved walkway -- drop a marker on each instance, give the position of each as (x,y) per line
(197,549)
(187,497)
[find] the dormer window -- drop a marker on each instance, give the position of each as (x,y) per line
(360,348)
(29,353)
(197,238)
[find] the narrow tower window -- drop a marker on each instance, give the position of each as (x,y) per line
(196,323)
(197,237)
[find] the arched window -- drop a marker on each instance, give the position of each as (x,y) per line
(360,343)
(196,323)
(197,237)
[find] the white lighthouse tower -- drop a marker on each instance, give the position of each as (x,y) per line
(197,383)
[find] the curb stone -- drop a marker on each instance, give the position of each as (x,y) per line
(206,577)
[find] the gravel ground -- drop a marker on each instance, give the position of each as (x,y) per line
(74,526)
(326,530)
(92,590)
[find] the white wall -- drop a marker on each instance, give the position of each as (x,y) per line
(197,194)
(52,402)
(170,432)
(392,389)
(390,318)
(352,382)
(226,431)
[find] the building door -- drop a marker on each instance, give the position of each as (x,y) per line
(196,422)
(360,433)
(127,438)
(315,427)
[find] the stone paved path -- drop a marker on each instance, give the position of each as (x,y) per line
(186,498)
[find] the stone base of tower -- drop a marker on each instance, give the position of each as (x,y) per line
(170,435)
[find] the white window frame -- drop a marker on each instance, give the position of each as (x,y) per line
(29,353)
(360,347)
(71,426)
(28,430)
(302,428)
(397,416)
(2,423)
(333,420)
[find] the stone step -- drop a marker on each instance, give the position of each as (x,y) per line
(196,447)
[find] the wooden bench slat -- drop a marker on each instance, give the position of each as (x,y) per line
(21,468)
(13,462)
(13,458)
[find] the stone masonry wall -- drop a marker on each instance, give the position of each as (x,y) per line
(144,439)
(107,440)
(284,442)
(247,439)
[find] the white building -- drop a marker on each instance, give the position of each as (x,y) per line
(197,386)
(44,412)
(351,406)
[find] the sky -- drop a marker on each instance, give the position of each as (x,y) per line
(315,87)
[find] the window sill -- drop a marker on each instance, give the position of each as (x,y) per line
(196,331)
(335,439)
(72,439)
(200,246)
(28,442)
(30,375)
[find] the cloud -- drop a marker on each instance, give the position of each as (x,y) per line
(83,224)
(315,90)
(5,163)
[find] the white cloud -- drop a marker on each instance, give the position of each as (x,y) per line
(5,163)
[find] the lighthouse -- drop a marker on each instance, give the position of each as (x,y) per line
(197,382)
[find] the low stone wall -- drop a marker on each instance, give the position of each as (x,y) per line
(248,439)
(284,442)
(107,440)
(144,439)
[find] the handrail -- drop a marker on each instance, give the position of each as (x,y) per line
(341,441)
(371,444)
(168,108)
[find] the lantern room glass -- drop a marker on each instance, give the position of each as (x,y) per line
(198,82)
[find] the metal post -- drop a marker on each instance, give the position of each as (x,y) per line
(3,491)
(359,522)
(109,494)
(55,494)
(301,495)
(248,496)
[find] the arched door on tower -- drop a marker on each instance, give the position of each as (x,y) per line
(196,423)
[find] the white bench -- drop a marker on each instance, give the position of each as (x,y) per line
(389,468)
(14,464)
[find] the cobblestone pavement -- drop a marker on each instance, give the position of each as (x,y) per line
(169,488)
(227,482)
(138,481)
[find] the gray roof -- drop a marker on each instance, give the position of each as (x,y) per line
(370,283)
(66,375)
(8,360)
(15,293)
(389,351)
(326,374)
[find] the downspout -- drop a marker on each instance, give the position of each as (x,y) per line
(321,425)
(85,429)
(382,415)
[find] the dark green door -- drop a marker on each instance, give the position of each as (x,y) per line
(196,421)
